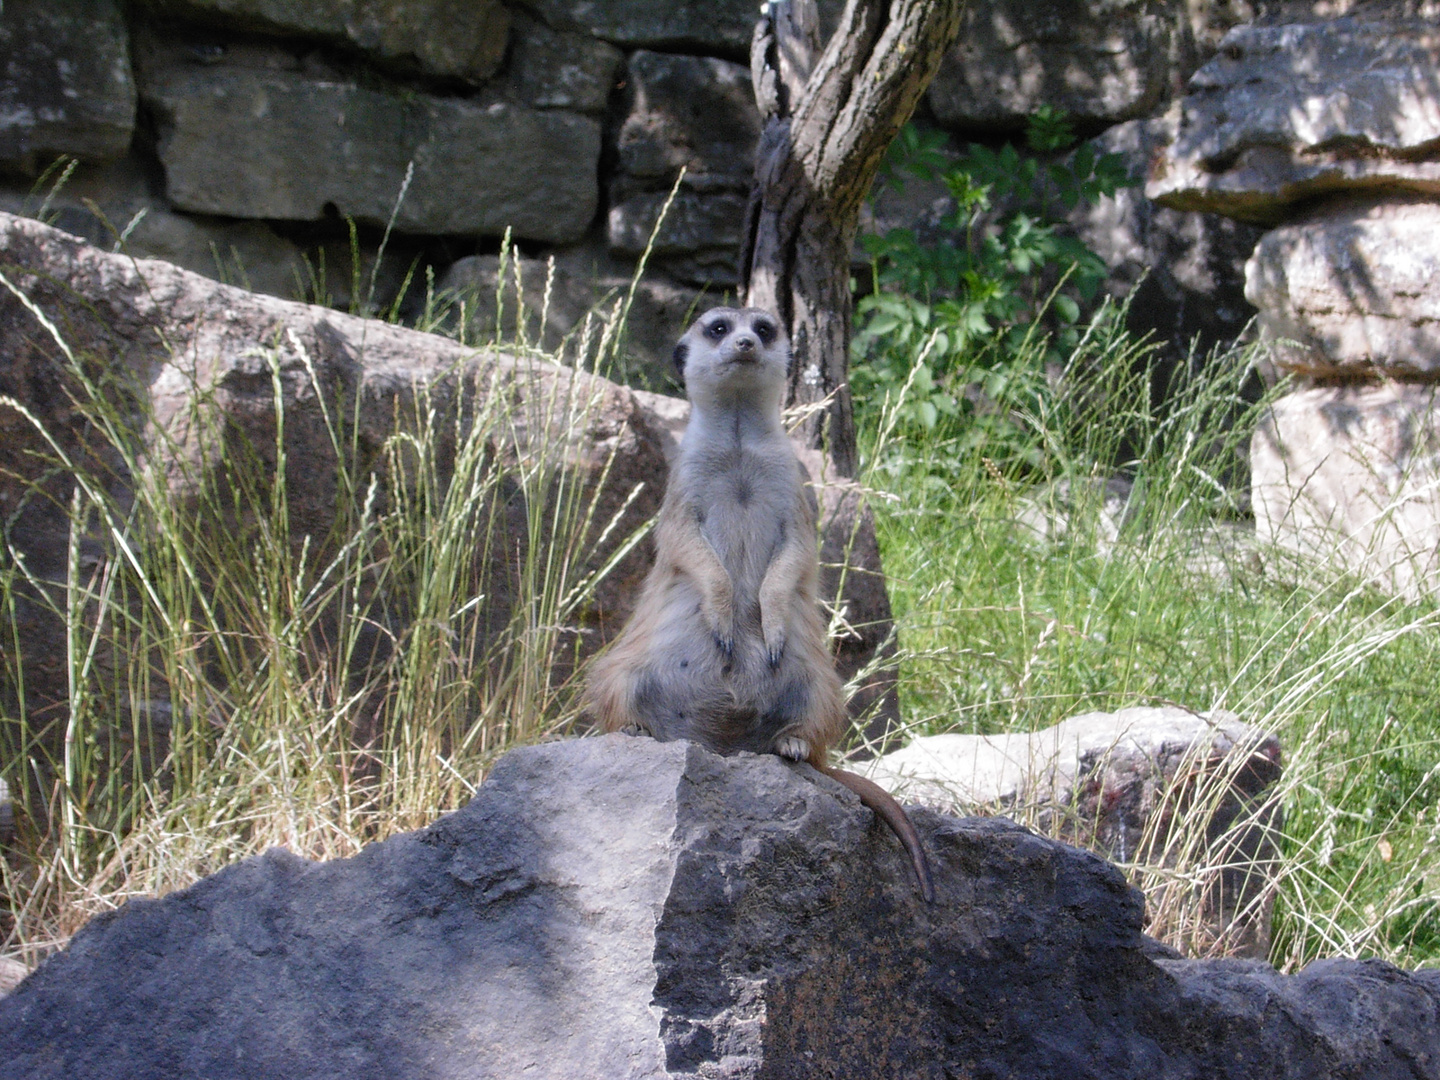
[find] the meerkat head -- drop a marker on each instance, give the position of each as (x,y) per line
(733,352)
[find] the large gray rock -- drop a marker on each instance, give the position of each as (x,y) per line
(462,39)
(189,364)
(1349,476)
(620,908)
(1290,112)
(1101,63)
(249,142)
(697,114)
(1348,290)
(1115,782)
(65,82)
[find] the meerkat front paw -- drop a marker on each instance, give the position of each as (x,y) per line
(792,748)
(775,647)
(636,729)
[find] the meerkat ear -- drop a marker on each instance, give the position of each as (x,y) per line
(681,354)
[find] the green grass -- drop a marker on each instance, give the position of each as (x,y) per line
(1006,630)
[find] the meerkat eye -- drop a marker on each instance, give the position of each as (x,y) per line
(717,329)
(764,331)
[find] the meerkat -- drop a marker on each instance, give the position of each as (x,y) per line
(727,646)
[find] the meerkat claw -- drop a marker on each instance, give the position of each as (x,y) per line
(635,729)
(793,748)
(775,652)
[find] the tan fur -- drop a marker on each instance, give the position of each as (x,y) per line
(727,646)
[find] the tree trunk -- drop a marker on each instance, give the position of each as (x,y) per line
(828,118)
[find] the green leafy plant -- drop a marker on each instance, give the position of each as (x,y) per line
(953,321)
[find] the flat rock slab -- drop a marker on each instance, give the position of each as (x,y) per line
(252,143)
(1290,112)
(620,908)
(1350,476)
(1348,290)
(66,86)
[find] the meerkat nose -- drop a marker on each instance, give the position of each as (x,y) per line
(745,343)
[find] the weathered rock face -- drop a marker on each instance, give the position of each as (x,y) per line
(66,85)
(326,143)
(616,907)
(463,39)
(1115,782)
(1101,63)
(212,390)
(1290,112)
(1348,290)
(1349,475)
(693,113)
(1183,273)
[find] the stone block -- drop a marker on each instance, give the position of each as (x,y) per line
(1349,476)
(552,69)
(1348,290)
(1102,63)
(244,142)
(66,85)
(719,26)
(1290,112)
(461,39)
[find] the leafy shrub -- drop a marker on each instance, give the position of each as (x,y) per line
(953,323)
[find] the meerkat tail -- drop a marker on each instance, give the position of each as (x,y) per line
(884,805)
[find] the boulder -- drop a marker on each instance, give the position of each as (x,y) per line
(1101,63)
(460,39)
(1347,291)
(67,87)
(189,362)
(1290,112)
(1350,476)
(328,146)
(621,908)
(1116,783)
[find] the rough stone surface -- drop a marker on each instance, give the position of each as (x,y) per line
(620,908)
(1291,112)
(551,69)
(697,114)
(1350,476)
(1182,273)
(1348,291)
(478,168)
(12,973)
(719,26)
(65,82)
(1114,782)
(1101,62)
(217,369)
(463,39)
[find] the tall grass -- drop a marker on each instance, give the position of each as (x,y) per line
(234,684)
(1021,600)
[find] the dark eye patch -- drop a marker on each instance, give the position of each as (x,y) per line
(764,331)
(717,329)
